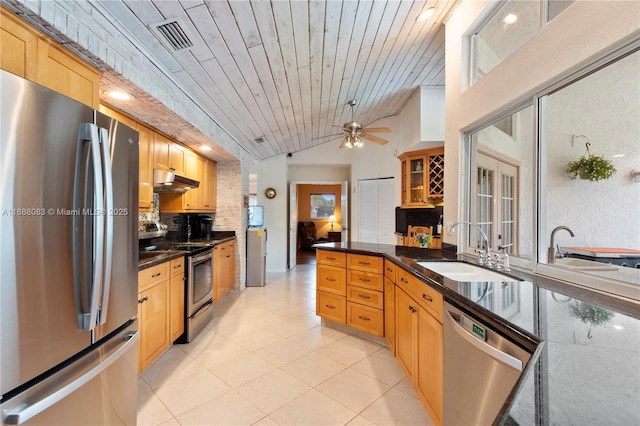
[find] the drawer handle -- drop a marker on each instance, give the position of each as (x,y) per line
(427,298)
(156,275)
(331,258)
(364,296)
(144,299)
(364,263)
(363,318)
(331,279)
(404,280)
(364,280)
(178,266)
(412,309)
(229,255)
(330,306)
(390,269)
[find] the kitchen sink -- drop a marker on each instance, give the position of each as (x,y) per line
(466,272)
(584,265)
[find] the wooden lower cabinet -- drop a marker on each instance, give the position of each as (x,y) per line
(419,351)
(390,314)
(160,309)
(365,318)
(331,306)
(153,317)
(177,291)
(224,264)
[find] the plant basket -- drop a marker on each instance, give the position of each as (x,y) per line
(591,167)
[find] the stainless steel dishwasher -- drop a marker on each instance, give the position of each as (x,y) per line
(480,369)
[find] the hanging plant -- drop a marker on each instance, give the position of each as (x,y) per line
(591,167)
(591,315)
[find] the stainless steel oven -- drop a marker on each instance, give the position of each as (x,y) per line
(199,293)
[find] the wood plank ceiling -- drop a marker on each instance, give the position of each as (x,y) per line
(283,70)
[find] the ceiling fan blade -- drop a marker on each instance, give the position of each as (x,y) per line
(343,144)
(374,139)
(376,130)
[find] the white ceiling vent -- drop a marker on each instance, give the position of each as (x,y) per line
(173,35)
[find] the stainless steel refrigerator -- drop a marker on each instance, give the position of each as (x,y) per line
(256,256)
(69,251)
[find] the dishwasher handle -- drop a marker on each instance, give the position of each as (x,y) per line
(488,349)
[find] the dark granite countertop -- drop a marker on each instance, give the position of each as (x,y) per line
(153,258)
(586,364)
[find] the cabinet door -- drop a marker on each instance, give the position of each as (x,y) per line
(230,265)
(428,381)
(417,174)
(209,190)
(161,145)
(154,322)
(191,164)
(176,316)
(65,73)
(145,199)
(18,47)
(177,155)
(406,332)
(390,314)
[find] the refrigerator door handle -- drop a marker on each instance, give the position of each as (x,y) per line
(27,411)
(108,223)
(88,245)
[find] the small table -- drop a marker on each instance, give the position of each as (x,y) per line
(335,236)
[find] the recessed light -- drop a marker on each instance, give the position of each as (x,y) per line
(205,148)
(511,18)
(118,94)
(426,14)
(618,327)
(618,155)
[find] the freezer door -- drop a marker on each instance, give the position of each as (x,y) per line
(98,388)
(39,132)
(118,301)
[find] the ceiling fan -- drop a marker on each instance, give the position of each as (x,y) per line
(356,132)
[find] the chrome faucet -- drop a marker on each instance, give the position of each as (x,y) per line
(487,256)
(554,253)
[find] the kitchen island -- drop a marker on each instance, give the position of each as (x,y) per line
(586,364)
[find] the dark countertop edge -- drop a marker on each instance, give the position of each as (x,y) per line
(165,257)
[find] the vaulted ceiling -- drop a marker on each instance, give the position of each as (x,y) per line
(283,70)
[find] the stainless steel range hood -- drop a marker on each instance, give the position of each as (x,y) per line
(165,181)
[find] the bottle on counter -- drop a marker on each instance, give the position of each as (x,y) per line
(439,226)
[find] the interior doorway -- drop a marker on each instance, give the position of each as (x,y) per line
(323,209)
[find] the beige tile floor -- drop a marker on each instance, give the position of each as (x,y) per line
(265,359)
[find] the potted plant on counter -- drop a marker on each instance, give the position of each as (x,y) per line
(423,239)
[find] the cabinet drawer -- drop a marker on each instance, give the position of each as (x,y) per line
(331,307)
(365,280)
(428,297)
(365,263)
(177,266)
(149,277)
(390,270)
(375,299)
(331,279)
(333,258)
(365,318)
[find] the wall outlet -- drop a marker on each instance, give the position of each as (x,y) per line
(448,230)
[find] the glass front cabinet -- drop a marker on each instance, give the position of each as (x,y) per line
(422,177)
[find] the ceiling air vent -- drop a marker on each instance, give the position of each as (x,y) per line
(259,140)
(173,35)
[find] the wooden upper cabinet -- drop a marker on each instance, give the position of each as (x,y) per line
(18,46)
(65,73)
(422,177)
(210,186)
(145,183)
(191,164)
(168,155)
(29,53)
